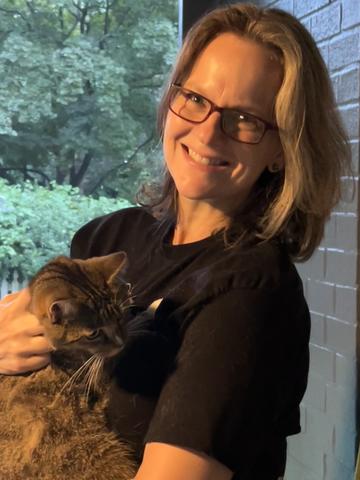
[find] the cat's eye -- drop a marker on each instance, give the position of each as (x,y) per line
(95,334)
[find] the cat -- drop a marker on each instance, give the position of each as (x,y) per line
(52,421)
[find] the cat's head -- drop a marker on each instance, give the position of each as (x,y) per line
(81,304)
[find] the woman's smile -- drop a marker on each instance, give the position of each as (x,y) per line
(206,164)
(210,162)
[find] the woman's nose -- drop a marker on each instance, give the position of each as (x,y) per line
(209,131)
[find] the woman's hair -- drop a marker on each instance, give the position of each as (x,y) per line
(292,204)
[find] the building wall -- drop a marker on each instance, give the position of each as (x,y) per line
(325,450)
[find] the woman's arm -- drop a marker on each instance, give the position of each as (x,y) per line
(23,346)
(220,410)
(162,461)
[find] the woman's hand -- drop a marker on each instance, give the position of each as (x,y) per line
(23,346)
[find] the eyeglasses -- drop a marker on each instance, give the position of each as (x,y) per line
(240,126)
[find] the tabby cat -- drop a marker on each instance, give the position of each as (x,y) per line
(52,422)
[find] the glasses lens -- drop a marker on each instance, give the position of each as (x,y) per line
(242,127)
(189,105)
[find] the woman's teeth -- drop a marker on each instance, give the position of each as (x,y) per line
(204,160)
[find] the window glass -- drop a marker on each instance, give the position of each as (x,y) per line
(80,81)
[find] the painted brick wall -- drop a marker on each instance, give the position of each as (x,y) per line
(325,450)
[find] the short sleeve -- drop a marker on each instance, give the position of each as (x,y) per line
(113,232)
(81,243)
(222,398)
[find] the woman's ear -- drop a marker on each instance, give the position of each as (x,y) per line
(277,162)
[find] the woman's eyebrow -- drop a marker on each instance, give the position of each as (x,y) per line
(251,109)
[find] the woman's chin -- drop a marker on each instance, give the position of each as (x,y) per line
(195,195)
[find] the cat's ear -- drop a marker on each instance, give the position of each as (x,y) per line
(117,265)
(110,266)
(118,268)
(60,311)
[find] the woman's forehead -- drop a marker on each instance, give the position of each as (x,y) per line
(234,71)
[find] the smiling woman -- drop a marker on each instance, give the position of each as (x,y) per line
(210,169)
(281,77)
(253,153)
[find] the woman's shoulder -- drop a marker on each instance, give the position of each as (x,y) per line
(106,234)
(120,217)
(266,265)
(262,271)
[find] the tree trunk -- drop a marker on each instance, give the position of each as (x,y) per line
(76,177)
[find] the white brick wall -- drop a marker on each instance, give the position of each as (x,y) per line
(326,448)
(326,23)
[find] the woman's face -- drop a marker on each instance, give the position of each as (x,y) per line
(232,72)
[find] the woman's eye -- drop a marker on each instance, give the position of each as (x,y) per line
(193,97)
(247,122)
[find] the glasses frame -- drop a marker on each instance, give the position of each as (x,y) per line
(216,108)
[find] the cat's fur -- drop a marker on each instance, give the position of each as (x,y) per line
(52,428)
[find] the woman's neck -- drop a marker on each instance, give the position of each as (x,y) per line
(197,221)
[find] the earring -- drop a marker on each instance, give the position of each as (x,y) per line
(274,167)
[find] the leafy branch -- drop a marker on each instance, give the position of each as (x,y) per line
(25,171)
(19,14)
(120,165)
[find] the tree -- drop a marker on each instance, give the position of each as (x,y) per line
(37,223)
(80,84)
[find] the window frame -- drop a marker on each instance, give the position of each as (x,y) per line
(190,11)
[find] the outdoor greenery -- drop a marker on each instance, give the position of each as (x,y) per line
(80,83)
(36,226)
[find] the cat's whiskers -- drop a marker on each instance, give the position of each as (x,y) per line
(128,302)
(76,376)
(69,383)
(88,376)
(91,376)
(88,379)
(98,369)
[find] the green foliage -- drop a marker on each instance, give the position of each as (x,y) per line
(80,81)
(37,223)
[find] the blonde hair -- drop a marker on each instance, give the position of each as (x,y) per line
(296,202)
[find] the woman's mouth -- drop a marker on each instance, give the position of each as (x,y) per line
(207,161)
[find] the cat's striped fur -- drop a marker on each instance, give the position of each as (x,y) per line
(52,423)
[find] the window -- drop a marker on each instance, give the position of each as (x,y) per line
(80,81)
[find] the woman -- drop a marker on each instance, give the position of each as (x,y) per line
(254,150)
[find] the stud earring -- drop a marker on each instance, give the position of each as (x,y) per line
(274,167)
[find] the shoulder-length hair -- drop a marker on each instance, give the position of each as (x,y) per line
(293,204)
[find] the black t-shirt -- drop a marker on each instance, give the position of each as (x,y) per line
(242,363)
